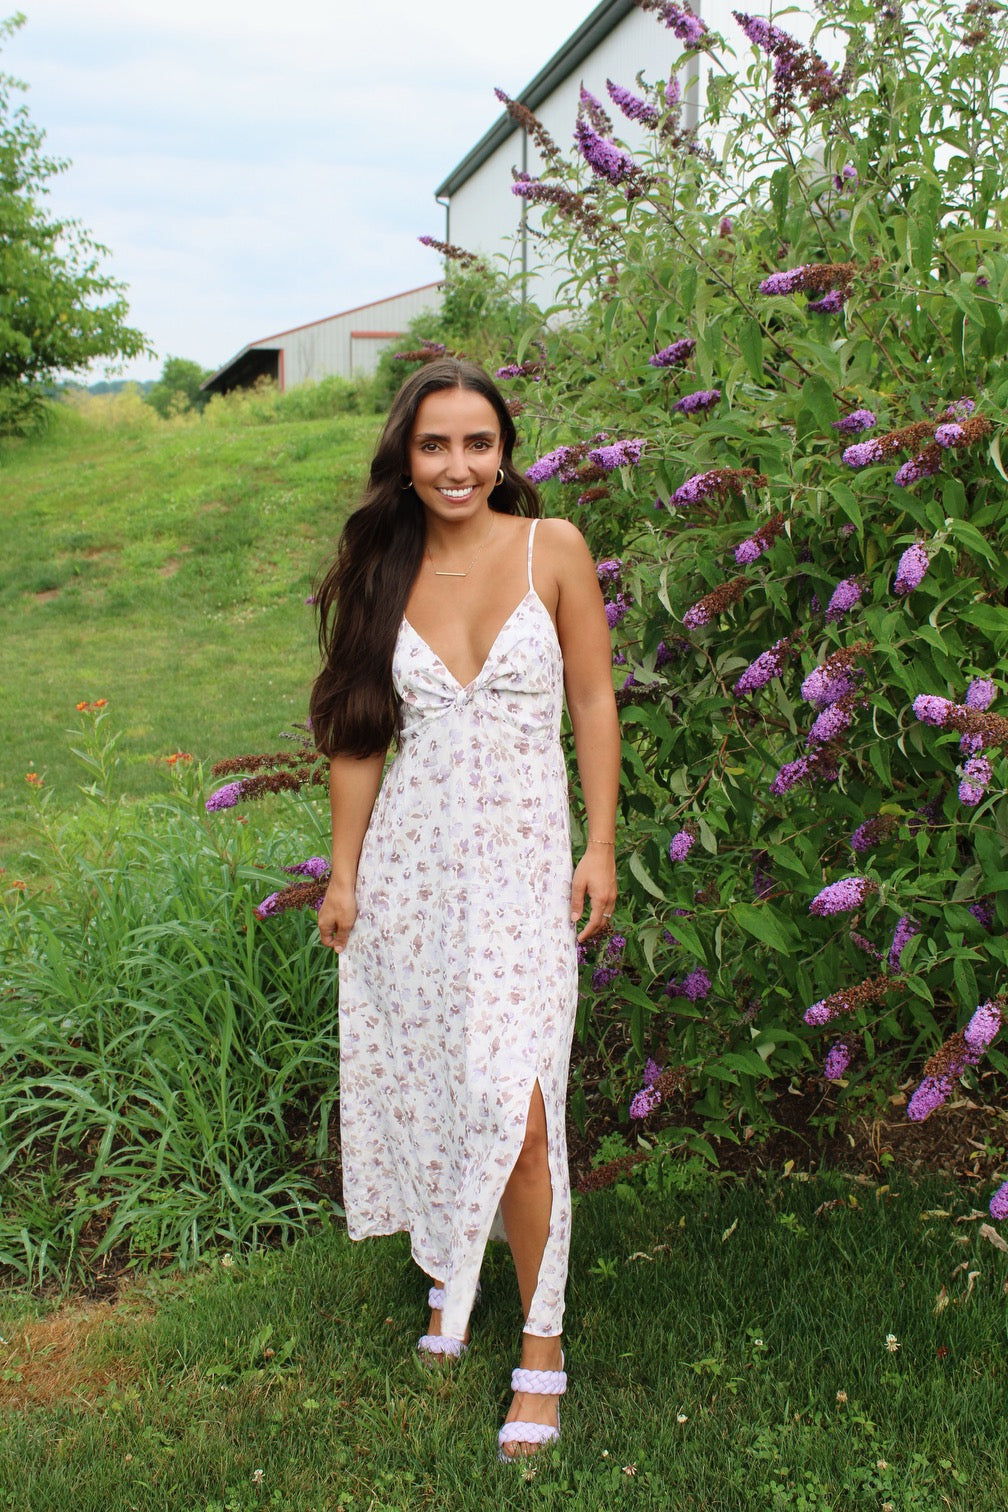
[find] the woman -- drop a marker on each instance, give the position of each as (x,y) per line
(451,624)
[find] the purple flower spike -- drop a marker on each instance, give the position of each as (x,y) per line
(851,425)
(842,897)
(619,454)
(225,797)
(680,846)
(652,1071)
(983,913)
(837,1060)
(818,1014)
(675,355)
(904,933)
(829,725)
(645,1102)
(960,409)
(316,867)
(767,666)
(632,106)
(999,1204)
(980,693)
(862,453)
(680,20)
(673,92)
(931,709)
(698,402)
(696,985)
(694,618)
(845,595)
(268,906)
(913,564)
(617,610)
(830,304)
(604,158)
(609,570)
(921,466)
(548,466)
(948,435)
(789,776)
(977,773)
(784,282)
(930,1095)
(981,1029)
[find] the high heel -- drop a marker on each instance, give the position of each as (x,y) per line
(537,1383)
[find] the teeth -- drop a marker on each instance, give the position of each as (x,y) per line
(455,493)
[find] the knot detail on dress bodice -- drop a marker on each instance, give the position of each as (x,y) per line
(521,680)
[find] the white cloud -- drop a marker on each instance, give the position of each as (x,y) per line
(253,166)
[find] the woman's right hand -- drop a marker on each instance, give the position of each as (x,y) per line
(337,916)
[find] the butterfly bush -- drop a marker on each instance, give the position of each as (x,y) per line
(818,692)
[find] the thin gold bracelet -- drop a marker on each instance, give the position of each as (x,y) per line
(601,842)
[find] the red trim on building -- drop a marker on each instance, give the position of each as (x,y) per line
(379,335)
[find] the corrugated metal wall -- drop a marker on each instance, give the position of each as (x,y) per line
(345,345)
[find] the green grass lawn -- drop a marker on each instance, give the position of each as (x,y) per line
(165,568)
(727,1350)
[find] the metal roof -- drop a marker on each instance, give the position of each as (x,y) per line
(261,343)
(603,19)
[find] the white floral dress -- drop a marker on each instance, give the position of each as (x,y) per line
(459,982)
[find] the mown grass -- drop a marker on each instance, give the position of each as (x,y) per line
(164,567)
(709,1335)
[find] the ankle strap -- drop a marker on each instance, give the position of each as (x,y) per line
(539,1382)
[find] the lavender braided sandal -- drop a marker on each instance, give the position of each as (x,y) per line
(539,1383)
(442,1344)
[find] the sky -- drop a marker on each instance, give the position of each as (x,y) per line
(255,166)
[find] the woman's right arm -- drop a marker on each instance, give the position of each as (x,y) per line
(353,788)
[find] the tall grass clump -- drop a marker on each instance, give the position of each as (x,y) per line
(167,1064)
(773,395)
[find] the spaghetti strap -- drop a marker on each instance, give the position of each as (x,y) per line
(531,538)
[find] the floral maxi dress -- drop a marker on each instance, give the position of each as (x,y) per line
(458,984)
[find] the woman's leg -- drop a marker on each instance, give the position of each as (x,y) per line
(526,1207)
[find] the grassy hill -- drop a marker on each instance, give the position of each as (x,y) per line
(165,567)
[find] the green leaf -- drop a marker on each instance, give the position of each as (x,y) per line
(765,924)
(750,340)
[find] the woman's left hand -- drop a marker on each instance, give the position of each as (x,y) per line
(594,877)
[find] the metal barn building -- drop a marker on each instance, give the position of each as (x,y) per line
(346,345)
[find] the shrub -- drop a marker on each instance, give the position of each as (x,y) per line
(775,406)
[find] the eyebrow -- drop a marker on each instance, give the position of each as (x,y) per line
(473,436)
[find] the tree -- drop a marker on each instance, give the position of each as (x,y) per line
(178,388)
(58,310)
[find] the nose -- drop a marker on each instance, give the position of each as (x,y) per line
(457,465)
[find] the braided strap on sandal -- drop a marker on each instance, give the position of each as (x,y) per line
(435,1297)
(441,1344)
(526,1433)
(539,1382)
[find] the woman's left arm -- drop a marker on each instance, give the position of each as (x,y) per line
(586,646)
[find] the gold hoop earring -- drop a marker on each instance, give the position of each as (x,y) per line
(407,484)
(500,477)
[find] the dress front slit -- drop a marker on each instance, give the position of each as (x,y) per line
(458,985)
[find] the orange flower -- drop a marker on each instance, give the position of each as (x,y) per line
(33,778)
(178,756)
(20,886)
(99,703)
(82,706)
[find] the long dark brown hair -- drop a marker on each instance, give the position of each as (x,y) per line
(361,600)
